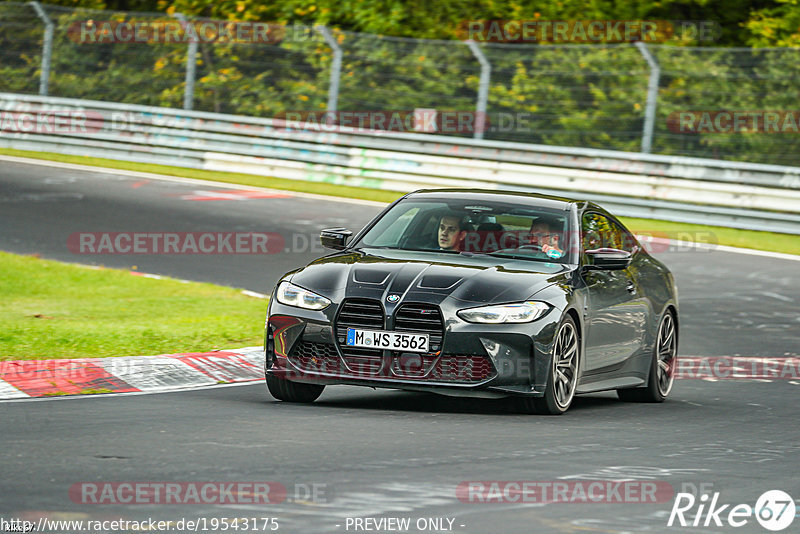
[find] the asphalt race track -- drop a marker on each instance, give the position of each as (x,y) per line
(359,453)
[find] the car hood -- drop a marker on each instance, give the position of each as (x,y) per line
(470,279)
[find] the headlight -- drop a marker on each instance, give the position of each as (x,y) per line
(521,312)
(292,295)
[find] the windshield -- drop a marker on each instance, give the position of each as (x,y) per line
(467,227)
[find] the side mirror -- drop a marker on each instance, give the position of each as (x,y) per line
(335,238)
(607,259)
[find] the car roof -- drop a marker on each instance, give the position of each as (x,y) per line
(530,199)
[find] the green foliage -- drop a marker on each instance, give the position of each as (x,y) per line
(776,25)
(733,80)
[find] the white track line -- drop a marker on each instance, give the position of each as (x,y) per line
(245,292)
(178,179)
(718,248)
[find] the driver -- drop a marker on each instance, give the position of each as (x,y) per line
(452,230)
(544,234)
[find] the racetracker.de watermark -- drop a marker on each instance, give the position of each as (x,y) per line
(562,491)
(188,493)
(51,121)
(175,243)
(734,121)
(104,32)
(539,30)
(418,120)
(737,368)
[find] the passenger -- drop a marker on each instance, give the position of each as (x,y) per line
(544,234)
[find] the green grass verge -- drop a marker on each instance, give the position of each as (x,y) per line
(716,235)
(60,310)
(775,242)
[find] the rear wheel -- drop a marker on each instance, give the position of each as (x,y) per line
(662,367)
(288,391)
(563,376)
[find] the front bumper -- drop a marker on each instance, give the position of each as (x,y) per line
(474,359)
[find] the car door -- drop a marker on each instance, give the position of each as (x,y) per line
(640,309)
(613,306)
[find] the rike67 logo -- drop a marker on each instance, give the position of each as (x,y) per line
(774,510)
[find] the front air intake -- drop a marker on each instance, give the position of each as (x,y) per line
(366,314)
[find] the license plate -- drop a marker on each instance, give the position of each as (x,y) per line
(378,339)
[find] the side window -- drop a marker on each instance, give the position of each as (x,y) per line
(597,231)
(392,235)
(389,232)
(628,243)
(432,224)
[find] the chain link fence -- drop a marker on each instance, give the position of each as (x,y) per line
(595,95)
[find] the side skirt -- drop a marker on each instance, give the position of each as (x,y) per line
(611,383)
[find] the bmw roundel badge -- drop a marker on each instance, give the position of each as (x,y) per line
(393,298)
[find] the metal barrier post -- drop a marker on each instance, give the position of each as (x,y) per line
(483,88)
(191,66)
(652,96)
(47,48)
(336,69)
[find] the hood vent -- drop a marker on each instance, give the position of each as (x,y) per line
(368,276)
(438,281)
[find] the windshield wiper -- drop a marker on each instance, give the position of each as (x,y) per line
(497,254)
(428,250)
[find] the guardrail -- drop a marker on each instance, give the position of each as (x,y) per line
(734,194)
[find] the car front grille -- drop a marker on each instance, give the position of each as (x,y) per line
(360,313)
(423,319)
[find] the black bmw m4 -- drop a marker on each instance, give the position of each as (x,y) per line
(478,293)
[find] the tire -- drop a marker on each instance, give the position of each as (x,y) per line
(563,376)
(662,366)
(288,391)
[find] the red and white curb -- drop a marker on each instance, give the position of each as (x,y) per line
(128,374)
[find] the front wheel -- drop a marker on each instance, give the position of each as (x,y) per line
(288,391)
(562,378)
(662,367)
